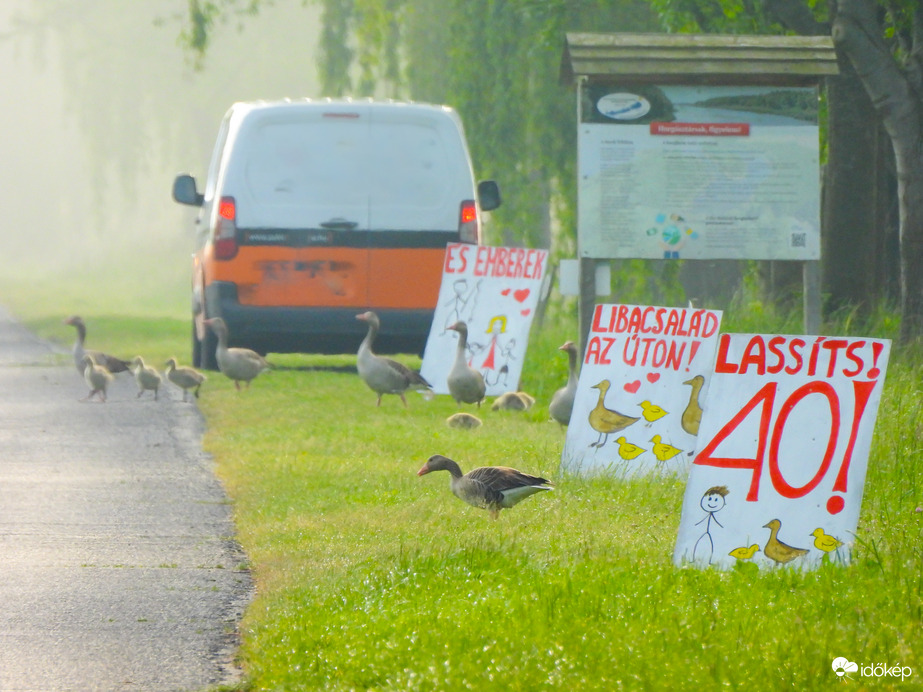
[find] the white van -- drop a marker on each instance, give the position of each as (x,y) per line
(316,210)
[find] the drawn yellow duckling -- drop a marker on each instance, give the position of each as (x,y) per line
(651,412)
(628,450)
(662,450)
(824,541)
(745,553)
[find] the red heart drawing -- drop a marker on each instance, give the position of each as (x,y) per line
(521,294)
(525,312)
(505,292)
(653,377)
(633,387)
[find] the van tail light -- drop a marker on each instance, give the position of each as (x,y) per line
(226,229)
(468,231)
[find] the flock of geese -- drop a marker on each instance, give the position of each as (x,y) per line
(492,488)
(98,369)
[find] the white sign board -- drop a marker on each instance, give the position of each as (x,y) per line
(495,291)
(780,463)
(642,382)
(708,172)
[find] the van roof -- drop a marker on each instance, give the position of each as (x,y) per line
(242,107)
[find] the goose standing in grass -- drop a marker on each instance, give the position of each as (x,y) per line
(384,375)
(148,379)
(96,376)
(562,403)
(184,378)
(111,363)
(238,364)
(466,385)
(490,487)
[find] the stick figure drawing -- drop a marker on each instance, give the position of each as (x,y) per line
(712,502)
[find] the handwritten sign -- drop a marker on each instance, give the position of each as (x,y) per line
(495,291)
(779,469)
(643,380)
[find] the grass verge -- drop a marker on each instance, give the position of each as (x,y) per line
(369,577)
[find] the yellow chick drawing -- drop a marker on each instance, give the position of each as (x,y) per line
(627,450)
(652,412)
(662,450)
(824,541)
(745,553)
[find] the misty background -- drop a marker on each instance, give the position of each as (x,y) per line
(102,107)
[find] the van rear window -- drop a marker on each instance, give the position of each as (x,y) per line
(350,162)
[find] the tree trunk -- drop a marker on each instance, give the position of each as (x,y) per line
(848,237)
(849,180)
(858,33)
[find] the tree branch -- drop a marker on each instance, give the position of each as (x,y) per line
(796,16)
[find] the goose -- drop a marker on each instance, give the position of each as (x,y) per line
(510,401)
(527,399)
(606,421)
(463,421)
(466,385)
(184,378)
(777,550)
(383,375)
(96,376)
(490,487)
(238,364)
(562,402)
(692,416)
(147,378)
(111,363)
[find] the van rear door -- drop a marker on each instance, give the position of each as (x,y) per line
(419,175)
(305,220)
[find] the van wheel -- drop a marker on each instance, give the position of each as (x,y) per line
(203,352)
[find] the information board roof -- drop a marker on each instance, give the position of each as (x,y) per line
(698,59)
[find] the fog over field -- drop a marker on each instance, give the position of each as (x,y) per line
(102,106)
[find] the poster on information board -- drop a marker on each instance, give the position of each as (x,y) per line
(494,291)
(699,172)
(642,382)
(780,463)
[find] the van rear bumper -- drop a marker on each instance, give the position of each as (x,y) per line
(313,329)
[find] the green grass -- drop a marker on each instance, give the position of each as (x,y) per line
(369,577)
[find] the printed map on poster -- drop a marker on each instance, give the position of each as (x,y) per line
(707,172)
(780,464)
(495,291)
(642,384)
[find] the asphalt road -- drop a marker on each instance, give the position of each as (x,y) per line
(118,564)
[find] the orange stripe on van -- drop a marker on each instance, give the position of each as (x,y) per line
(276,276)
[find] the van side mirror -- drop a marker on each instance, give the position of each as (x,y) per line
(185,192)
(488,195)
